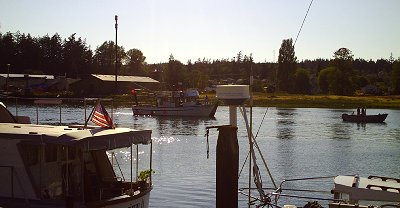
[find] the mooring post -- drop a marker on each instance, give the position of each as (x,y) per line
(227,167)
(228,147)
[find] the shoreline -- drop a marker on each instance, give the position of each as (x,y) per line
(293,101)
(322,101)
(282,101)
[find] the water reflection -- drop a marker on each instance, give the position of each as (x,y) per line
(340,130)
(180,125)
(285,123)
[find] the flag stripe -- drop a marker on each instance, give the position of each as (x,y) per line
(101,117)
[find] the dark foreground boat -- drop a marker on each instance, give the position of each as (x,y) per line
(69,166)
(364,118)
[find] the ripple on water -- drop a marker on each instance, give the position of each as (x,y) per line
(163,139)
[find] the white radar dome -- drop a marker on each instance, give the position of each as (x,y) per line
(233,94)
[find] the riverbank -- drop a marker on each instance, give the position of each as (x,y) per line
(292,101)
(276,100)
(326,101)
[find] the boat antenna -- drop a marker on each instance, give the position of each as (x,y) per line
(301,27)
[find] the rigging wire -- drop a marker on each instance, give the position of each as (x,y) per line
(301,27)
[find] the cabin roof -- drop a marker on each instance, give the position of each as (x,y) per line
(88,139)
(111,78)
(43,76)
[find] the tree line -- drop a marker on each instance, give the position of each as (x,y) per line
(341,75)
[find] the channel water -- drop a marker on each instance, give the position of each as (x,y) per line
(296,143)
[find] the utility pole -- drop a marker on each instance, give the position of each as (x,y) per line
(116,54)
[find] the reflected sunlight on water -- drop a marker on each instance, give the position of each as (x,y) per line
(163,139)
(297,143)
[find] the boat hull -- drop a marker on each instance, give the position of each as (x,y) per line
(364,118)
(117,202)
(194,111)
(141,200)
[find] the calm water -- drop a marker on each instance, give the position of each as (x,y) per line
(297,143)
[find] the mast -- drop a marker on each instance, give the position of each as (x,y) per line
(116,53)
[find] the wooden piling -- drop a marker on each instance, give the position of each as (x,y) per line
(227,167)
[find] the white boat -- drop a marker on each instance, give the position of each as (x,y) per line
(351,190)
(65,166)
(177,103)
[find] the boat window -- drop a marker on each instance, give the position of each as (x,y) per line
(30,154)
(63,153)
(71,153)
(50,153)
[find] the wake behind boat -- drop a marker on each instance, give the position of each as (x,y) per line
(178,103)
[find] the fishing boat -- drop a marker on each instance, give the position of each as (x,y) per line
(379,118)
(177,103)
(68,166)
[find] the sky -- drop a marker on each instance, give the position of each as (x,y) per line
(216,29)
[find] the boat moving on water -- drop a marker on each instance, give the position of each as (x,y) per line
(178,103)
(67,166)
(379,118)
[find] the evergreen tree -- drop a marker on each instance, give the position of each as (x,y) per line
(77,57)
(104,58)
(286,66)
(135,61)
(302,81)
(341,83)
(396,77)
(51,54)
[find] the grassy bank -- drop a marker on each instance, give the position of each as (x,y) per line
(326,101)
(323,101)
(292,101)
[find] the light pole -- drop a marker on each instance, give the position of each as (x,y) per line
(8,75)
(116,54)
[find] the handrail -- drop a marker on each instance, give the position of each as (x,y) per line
(384,178)
(55,101)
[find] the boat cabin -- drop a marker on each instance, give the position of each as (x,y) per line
(65,166)
(178,98)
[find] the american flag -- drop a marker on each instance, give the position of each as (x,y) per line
(101,117)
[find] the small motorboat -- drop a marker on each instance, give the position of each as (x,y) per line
(379,118)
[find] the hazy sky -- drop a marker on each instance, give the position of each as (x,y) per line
(192,29)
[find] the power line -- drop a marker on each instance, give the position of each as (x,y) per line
(303,23)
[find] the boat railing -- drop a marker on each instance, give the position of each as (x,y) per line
(279,192)
(273,194)
(384,178)
(41,102)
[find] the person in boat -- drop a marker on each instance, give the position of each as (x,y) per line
(358,111)
(134,93)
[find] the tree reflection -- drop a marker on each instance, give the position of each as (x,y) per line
(180,125)
(285,123)
(340,130)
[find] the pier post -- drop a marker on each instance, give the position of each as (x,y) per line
(227,167)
